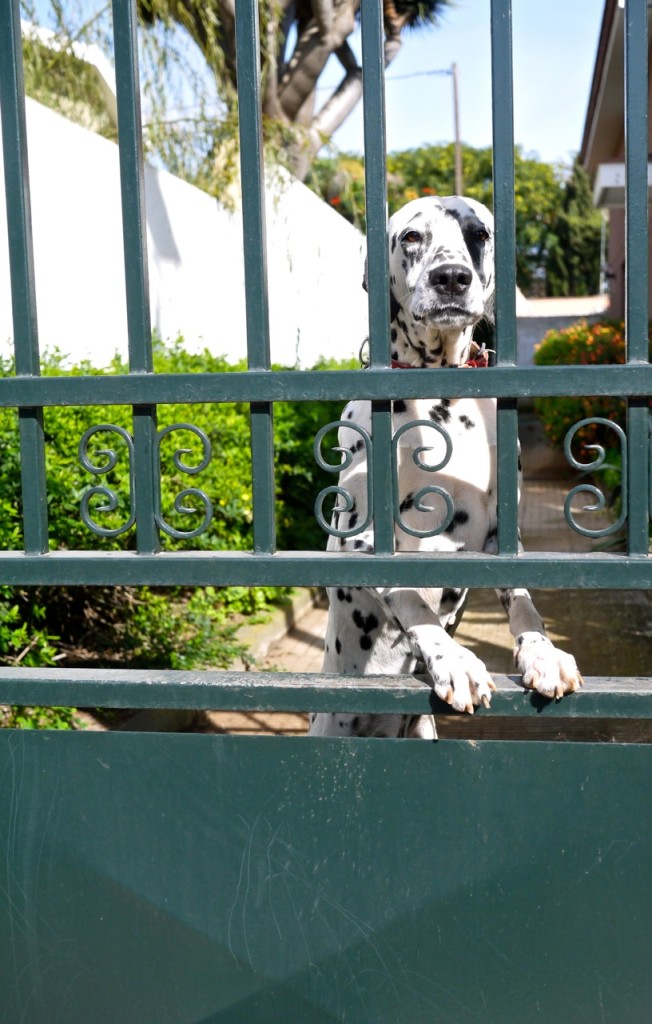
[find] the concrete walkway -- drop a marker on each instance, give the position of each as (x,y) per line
(609,632)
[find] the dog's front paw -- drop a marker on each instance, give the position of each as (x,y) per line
(545,668)
(459,678)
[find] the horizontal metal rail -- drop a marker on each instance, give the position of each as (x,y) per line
(632,379)
(320,568)
(284,691)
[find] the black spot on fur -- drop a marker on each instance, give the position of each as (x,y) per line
(355,723)
(393,242)
(407,503)
(394,334)
(357,446)
(353,519)
(459,518)
(450,595)
(366,623)
(365,642)
(469,424)
(338,645)
(341,596)
(440,413)
(399,405)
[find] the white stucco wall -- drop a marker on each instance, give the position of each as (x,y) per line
(315,259)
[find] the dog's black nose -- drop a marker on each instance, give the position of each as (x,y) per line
(450,279)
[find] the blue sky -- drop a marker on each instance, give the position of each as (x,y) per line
(554,47)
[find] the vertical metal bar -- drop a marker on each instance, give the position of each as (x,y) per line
(373,79)
(503,161)
(636,263)
(134,230)
(255,267)
(21,259)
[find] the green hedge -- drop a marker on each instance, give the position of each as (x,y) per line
(582,344)
(145,627)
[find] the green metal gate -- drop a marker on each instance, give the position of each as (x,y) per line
(150,878)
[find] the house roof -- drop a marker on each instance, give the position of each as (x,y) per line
(603,126)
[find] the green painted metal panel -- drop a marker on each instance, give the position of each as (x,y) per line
(187,879)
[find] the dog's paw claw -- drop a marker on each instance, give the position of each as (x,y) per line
(545,668)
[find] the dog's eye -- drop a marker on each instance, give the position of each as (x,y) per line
(481,235)
(411,237)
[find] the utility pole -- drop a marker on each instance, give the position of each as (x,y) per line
(459,181)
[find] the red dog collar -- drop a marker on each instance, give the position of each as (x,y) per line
(479,361)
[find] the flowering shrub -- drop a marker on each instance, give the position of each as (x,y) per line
(582,344)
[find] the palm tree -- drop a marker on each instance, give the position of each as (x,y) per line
(291,71)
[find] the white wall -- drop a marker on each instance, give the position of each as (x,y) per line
(315,259)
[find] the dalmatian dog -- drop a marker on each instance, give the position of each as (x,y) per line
(442,284)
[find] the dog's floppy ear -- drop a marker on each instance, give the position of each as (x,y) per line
(394,306)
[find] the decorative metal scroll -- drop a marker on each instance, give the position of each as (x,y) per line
(189,492)
(112,501)
(108,460)
(349,501)
(425,491)
(597,464)
(349,505)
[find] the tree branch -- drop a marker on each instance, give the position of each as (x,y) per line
(310,56)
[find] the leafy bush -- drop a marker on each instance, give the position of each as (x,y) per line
(142,626)
(582,344)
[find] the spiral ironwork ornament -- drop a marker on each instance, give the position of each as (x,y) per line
(418,498)
(346,459)
(599,463)
(107,494)
(197,496)
(348,505)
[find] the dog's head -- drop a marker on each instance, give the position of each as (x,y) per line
(441,267)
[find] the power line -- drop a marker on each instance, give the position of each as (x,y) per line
(396,78)
(419,74)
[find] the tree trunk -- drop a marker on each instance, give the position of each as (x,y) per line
(336,110)
(310,56)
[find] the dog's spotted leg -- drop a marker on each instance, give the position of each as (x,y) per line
(543,667)
(459,677)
